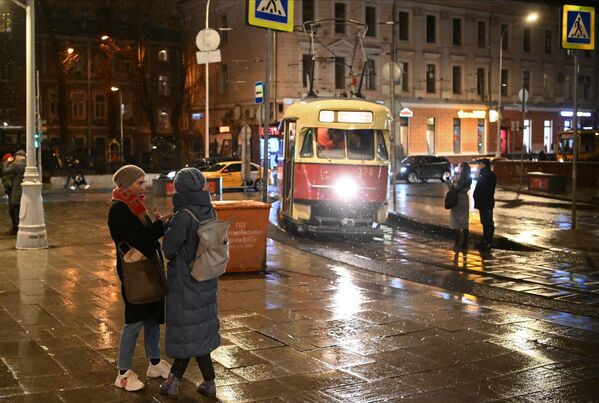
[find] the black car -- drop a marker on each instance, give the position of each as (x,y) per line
(424,167)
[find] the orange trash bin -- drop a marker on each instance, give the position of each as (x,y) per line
(247,233)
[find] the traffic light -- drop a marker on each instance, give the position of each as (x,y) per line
(37,141)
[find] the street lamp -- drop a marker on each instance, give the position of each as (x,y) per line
(32,228)
(529,19)
(121,109)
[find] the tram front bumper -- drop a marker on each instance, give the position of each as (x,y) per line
(341,230)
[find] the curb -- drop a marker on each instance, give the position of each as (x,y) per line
(398,220)
(594,201)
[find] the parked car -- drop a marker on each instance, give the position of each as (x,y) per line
(424,167)
(201,164)
(230,172)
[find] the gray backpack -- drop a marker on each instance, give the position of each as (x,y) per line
(212,254)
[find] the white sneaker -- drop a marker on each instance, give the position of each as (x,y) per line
(128,381)
(86,187)
(72,188)
(160,370)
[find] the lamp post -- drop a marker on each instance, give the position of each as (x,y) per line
(530,18)
(117,89)
(32,228)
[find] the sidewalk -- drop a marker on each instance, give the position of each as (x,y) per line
(309,329)
(525,219)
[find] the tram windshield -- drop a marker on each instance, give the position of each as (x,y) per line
(351,144)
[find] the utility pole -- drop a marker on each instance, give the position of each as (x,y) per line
(576,142)
(266,120)
(392,104)
(32,228)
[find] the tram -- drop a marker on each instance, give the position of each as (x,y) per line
(588,145)
(336,166)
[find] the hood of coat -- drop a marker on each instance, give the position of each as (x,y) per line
(189,184)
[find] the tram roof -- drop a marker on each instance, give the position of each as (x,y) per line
(317,104)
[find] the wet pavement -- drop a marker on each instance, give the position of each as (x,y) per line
(310,329)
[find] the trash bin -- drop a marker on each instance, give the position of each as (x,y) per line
(162,187)
(247,233)
(545,182)
(216,185)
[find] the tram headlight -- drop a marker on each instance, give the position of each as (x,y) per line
(346,188)
(403,170)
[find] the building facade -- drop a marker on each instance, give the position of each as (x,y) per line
(448,54)
(91,56)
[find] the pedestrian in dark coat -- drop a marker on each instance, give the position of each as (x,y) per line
(17,170)
(460,213)
(129,221)
(7,159)
(192,325)
(484,201)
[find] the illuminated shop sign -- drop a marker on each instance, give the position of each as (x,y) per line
(406,113)
(569,114)
(345,116)
(224,129)
(462,114)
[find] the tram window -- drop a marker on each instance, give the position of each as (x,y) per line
(331,143)
(588,143)
(307,146)
(381,147)
(360,144)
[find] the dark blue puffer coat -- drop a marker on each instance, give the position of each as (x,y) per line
(192,326)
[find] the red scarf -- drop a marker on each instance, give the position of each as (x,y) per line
(134,201)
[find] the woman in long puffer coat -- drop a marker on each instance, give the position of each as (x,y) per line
(192,325)
(459,214)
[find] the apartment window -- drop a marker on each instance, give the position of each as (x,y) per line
(127,110)
(5,22)
(546,84)
(430,136)
(504,78)
(224,33)
(586,83)
(431,29)
(482,34)
(370,75)
(78,106)
(457,131)
(99,106)
(371,21)
(457,32)
(404,26)
(52,105)
(548,42)
(480,82)
(340,15)
(506,36)
(163,85)
(456,79)
(224,79)
(339,72)
(163,55)
(306,69)
(526,39)
(307,10)
(5,70)
(404,76)
(480,136)
(526,79)
(430,79)
(163,119)
(568,87)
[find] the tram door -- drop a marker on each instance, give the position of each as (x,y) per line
(290,137)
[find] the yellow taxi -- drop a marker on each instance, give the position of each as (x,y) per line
(230,172)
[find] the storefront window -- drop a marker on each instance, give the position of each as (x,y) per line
(548,135)
(527,140)
(480,136)
(457,131)
(430,135)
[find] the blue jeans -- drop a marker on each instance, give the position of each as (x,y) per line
(129,340)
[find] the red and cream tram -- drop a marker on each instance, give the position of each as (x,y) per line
(336,166)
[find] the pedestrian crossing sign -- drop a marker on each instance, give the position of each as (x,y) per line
(578,27)
(272,14)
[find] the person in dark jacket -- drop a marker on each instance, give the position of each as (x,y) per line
(17,170)
(484,201)
(192,325)
(7,159)
(460,213)
(129,221)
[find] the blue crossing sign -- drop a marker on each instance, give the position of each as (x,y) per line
(273,14)
(578,27)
